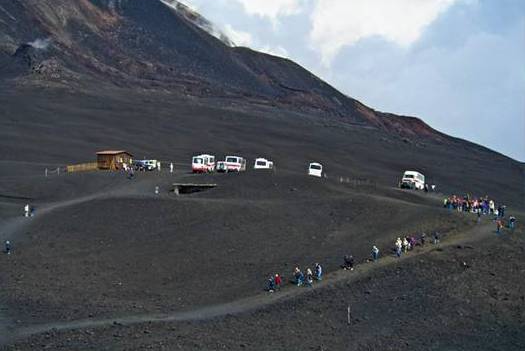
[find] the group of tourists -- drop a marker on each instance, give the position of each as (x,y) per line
(307,278)
(299,278)
(407,243)
(468,203)
(481,206)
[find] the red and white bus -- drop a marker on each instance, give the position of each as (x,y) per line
(203,164)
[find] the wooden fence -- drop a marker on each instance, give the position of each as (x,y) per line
(83,167)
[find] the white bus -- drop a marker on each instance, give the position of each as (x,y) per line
(413,180)
(203,164)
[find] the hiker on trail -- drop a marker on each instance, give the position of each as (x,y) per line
(348,263)
(512,222)
(309,277)
(411,242)
(299,276)
(318,272)
(499,225)
(171,167)
(405,245)
(375,253)
(7,247)
(278,281)
(26,210)
(398,246)
(271,285)
(436,238)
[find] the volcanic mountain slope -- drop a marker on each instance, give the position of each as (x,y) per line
(81,76)
(164,45)
(132,74)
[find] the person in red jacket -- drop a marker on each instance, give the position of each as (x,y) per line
(278,281)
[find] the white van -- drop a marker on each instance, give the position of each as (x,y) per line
(203,164)
(235,164)
(262,163)
(315,169)
(413,180)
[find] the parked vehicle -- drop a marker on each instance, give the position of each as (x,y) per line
(262,163)
(146,165)
(203,164)
(315,169)
(412,180)
(235,164)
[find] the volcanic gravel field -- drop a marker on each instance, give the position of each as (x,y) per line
(87,260)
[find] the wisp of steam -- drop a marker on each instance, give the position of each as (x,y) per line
(40,44)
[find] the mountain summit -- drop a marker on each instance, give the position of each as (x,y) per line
(162,44)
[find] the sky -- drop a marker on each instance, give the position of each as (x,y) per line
(457,64)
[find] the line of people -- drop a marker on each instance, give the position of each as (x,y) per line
(307,279)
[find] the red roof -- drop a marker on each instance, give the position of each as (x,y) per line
(113,152)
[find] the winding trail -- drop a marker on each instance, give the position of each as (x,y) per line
(256,302)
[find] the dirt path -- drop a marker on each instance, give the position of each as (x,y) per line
(478,232)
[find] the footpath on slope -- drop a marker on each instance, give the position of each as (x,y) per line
(479,232)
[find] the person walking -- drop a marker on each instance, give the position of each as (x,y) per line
(318,272)
(479,216)
(26,210)
(423,239)
(171,167)
(299,276)
(271,285)
(348,262)
(398,246)
(512,222)
(499,225)
(436,238)
(405,245)
(278,282)
(309,277)
(375,253)
(7,245)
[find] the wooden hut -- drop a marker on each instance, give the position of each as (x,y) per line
(113,159)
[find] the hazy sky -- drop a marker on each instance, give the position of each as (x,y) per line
(457,64)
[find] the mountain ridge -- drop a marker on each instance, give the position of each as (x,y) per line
(152,45)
